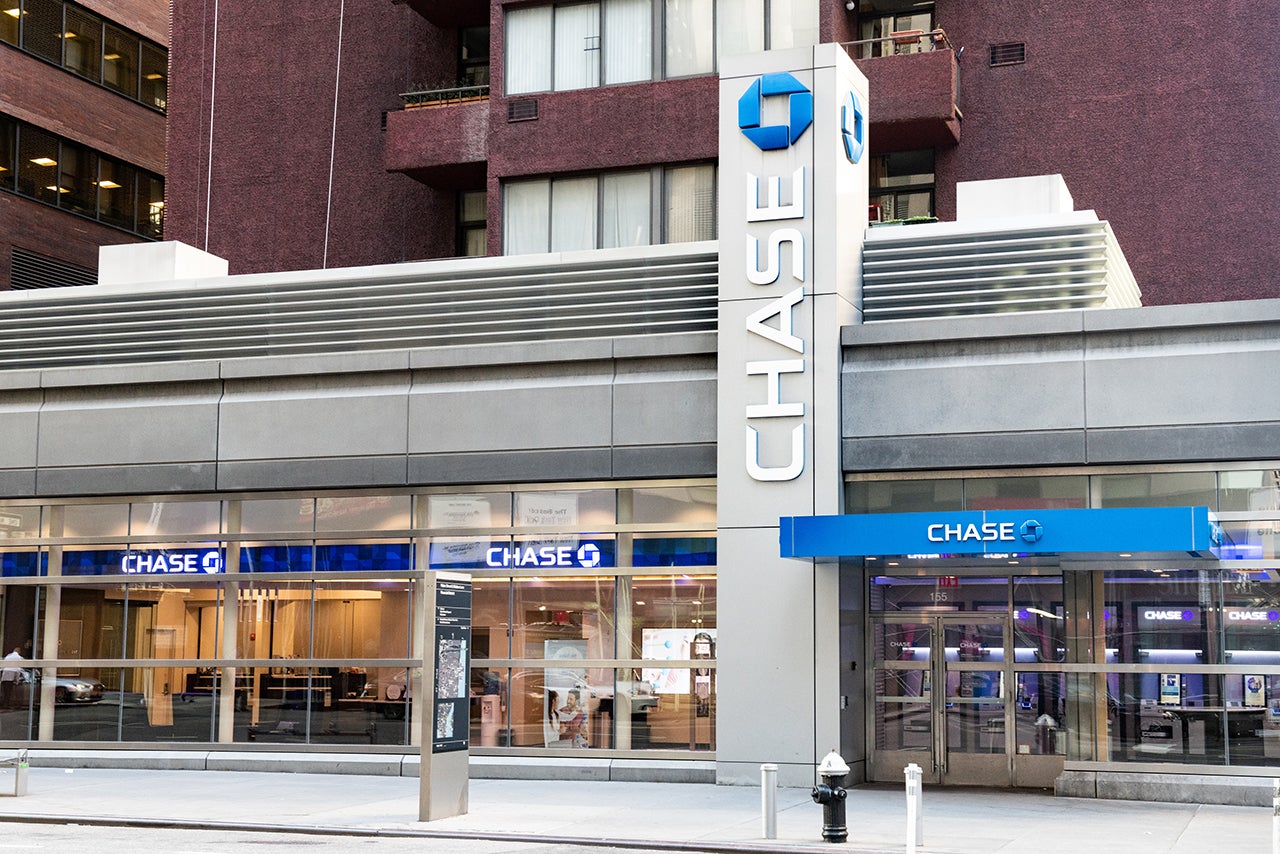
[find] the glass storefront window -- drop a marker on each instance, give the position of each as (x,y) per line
(903,496)
(95,520)
(689,506)
(938,593)
(19,522)
(1040,714)
(1159,616)
(276,557)
(1026,493)
(673,550)
(175,517)
(272,515)
(475,510)
(565,619)
(363,513)
(363,620)
(668,613)
(23,563)
(366,556)
(490,617)
(1158,489)
(566,508)
(1252,540)
(1248,491)
(1039,619)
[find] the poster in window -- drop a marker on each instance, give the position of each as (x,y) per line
(1170,689)
(1255,691)
(565,701)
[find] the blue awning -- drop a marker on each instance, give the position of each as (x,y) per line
(1140,531)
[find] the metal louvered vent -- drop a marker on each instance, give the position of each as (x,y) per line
(923,271)
(522,111)
(1010,53)
(601,294)
(32,271)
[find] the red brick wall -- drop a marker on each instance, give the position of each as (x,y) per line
(148,18)
(48,231)
(273,123)
(1161,117)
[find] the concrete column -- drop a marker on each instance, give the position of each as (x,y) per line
(230,630)
(52,619)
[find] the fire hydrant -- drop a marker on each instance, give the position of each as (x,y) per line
(831,794)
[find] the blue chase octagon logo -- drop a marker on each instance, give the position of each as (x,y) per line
(799,112)
(853,127)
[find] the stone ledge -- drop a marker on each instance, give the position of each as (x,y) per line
(1223,789)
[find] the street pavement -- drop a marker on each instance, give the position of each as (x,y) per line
(670,816)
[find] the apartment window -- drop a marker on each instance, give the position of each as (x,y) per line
(83,43)
(64,174)
(608,210)
(902,185)
(472,221)
(898,26)
(473,56)
(575,46)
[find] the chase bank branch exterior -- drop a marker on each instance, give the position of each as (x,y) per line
(717,509)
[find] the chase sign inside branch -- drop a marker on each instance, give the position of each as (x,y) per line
(1121,531)
(207,562)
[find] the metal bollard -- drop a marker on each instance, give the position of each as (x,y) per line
(769,800)
(915,806)
(20,768)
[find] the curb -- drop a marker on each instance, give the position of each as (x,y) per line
(709,847)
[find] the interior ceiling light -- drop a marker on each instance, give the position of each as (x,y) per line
(44,161)
(68,35)
(111,57)
(154,76)
(12,12)
(108,185)
(58,189)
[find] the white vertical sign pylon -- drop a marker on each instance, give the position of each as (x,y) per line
(793,214)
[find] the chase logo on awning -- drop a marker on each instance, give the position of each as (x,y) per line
(799,111)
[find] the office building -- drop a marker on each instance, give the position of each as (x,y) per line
(82,135)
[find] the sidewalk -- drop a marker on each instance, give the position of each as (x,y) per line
(684,816)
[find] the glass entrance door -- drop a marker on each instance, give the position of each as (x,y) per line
(940,685)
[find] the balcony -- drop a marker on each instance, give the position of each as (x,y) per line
(440,137)
(448,14)
(913,90)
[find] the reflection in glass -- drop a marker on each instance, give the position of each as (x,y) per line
(362,513)
(683,506)
(174,517)
(477,510)
(903,496)
(1040,713)
(95,520)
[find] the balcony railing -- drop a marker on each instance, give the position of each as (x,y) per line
(444,97)
(906,41)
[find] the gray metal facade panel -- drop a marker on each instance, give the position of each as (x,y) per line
(121,479)
(317,473)
(665,461)
(364,420)
(971,450)
(505,466)
(1207,442)
(1174,384)
(348,415)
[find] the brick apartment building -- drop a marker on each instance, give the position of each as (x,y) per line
(388,132)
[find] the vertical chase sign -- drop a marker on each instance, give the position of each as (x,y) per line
(793,211)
